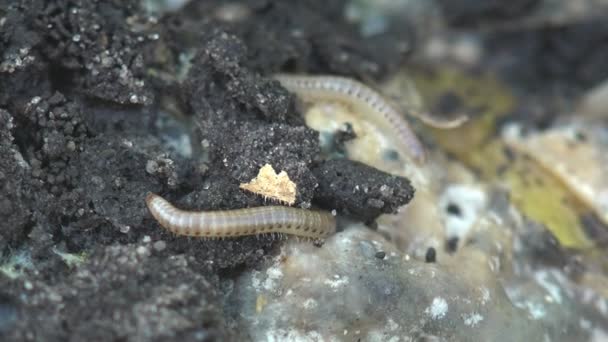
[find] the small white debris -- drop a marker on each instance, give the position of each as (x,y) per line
(337,282)
(142,250)
(309,304)
(126,143)
(391,325)
(159,246)
(273,274)
(546,280)
(485,295)
(585,324)
(536,310)
(438,308)
(472,319)
(151,166)
(71,146)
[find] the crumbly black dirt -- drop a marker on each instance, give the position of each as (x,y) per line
(252,122)
(122,292)
(86,90)
(551,65)
(359,190)
(15,203)
(473,12)
(568,55)
(88,45)
(297,36)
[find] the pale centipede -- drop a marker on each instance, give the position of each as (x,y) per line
(240,222)
(362,99)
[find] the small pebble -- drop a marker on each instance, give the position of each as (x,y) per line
(453,209)
(142,250)
(159,245)
(151,166)
(431,255)
(380,255)
(452,244)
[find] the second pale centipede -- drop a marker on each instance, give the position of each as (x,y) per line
(240,222)
(362,98)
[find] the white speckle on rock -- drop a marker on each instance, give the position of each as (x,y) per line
(309,304)
(337,282)
(602,306)
(438,308)
(255,280)
(472,319)
(273,274)
(585,324)
(536,310)
(293,335)
(543,279)
(485,295)
(391,325)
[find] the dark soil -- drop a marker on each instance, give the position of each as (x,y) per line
(360,191)
(91,94)
(550,66)
(467,13)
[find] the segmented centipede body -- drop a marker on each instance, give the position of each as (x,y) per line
(362,99)
(240,222)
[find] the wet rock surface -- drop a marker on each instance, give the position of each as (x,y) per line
(380,299)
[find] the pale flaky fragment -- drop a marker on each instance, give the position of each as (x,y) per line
(272,185)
